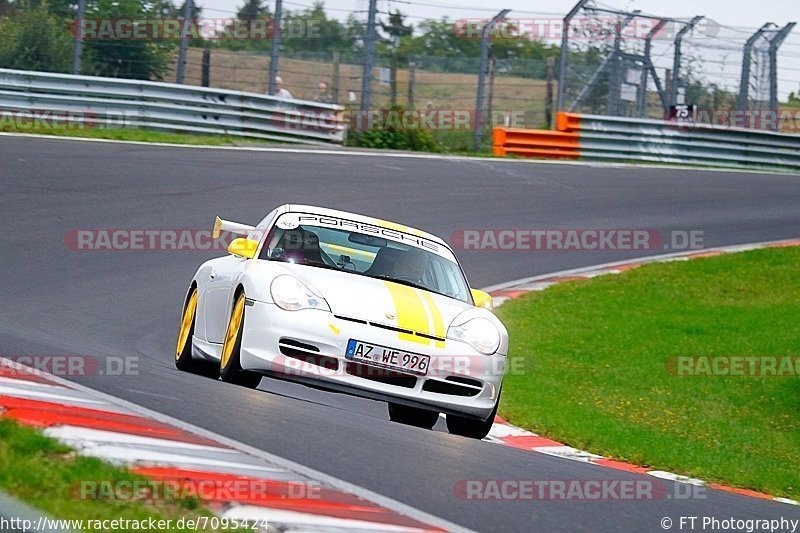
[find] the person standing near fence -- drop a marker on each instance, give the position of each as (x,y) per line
(323,95)
(280,91)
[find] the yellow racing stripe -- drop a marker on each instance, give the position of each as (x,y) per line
(351,251)
(398,227)
(411,314)
(436,315)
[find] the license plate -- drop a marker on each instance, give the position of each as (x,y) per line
(386,357)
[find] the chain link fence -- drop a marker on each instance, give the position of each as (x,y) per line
(632,64)
(443,88)
(612,62)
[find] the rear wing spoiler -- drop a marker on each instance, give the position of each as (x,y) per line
(232,227)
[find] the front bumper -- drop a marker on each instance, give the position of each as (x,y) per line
(282,343)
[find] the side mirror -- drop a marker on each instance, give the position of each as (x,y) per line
(482,299)
(243,247)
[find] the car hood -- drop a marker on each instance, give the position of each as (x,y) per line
(382,301)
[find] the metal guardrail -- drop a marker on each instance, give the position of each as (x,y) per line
(116,103)
(625,139)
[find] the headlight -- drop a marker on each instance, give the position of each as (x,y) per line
(479,333)
(291,294)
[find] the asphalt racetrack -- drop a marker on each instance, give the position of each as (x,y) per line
(54,300)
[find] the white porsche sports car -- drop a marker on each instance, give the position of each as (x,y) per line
(352,304)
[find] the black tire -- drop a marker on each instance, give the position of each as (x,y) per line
(183,352)
(230,367)
(472,428)
(412,416)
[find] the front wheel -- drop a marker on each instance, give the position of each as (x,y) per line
(183,353)
(471,427)
(412,416)
(230,368)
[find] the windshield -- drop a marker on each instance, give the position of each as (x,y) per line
(365,254)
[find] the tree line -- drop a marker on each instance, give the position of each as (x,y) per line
(39,35)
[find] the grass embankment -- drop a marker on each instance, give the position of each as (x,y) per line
(600,370)
(140,135)
(51,477)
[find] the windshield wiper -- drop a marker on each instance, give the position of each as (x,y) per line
(320,265)
(401,282)
(308,263)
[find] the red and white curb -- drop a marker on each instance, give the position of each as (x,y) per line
(507,434)
(290,497)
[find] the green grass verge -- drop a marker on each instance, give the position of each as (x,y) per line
(140,135)
(595,357)
(453,142)
(48,475)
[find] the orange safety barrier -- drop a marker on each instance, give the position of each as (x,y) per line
(536,143)
(568,122)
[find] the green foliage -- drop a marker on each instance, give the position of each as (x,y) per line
(132,58)
(312,30)
(46,474)
(396,137)
(253,9)
(458,141)
(250,10)
(582,65)
(305,30)
(445,39)
(396,28)
(37,36)
(710,97)
(35,40)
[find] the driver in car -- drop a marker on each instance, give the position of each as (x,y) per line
(410,265)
